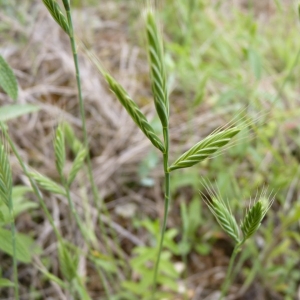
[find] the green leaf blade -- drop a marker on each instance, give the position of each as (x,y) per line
(8,81)
(24,245)
(9,112)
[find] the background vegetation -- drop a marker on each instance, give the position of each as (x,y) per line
(223,57)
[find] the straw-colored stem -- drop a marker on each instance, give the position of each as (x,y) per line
(228,278)
(166,206)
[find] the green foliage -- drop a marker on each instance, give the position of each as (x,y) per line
(6,283)
(25,248)
(142,265)
(135,113)
(21,204)
(8,112)
(57,14)
(8,81)
(204,148)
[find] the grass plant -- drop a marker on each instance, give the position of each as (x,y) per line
(230,67)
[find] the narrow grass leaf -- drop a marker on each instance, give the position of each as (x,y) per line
(77,164)
(133,110)
(59,150)
(8,81)
(46,183)
(6,283)
(9,112)
(204,148)
(157,69)
(5,177)
(57,14)
(68,263)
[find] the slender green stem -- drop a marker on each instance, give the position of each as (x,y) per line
(81,102)
(13,236)
(95,191)
(166,206)
(228,278)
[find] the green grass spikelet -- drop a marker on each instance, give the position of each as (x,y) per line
(77,164)
(59,150)
(5,177)
(57,14)
(204,148)
(157,69)
(47,184)
(135,113)
(252,220)
(224,218)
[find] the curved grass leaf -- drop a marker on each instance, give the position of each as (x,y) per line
(8,112)
(57,14)
(133,110)
(157,69)
(59,150)
(204,148)
(5,177)
(6,283)
(46,183)
(77,164)
(8,81)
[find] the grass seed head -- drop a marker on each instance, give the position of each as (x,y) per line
(255,215)
(134,111)
(157,68)
(57,14)
(221,210)
(204,148)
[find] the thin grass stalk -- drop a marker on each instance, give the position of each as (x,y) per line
(85,136)
(13,237)
(166,206)
(95,192)
(228,278)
